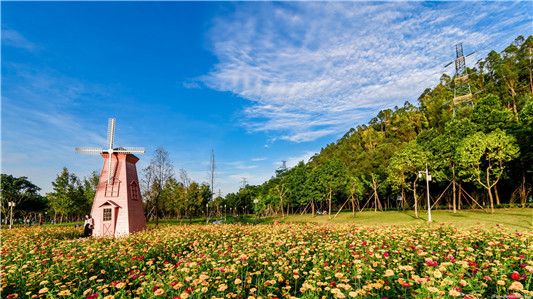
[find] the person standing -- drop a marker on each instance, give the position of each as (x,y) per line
(88,227)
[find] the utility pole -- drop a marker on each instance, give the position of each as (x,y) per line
(212,167)
(243,183)
(428,178)
(11,205)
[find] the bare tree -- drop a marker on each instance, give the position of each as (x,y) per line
(155,176)
(184,178)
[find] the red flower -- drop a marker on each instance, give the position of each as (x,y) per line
(515,276)
(189,289)
(155,288)
(332,283)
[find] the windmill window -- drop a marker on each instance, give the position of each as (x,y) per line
(111,190)
(134,191)
(107,214)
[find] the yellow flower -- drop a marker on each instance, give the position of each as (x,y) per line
(102,271)
(159,292)
(43,290)
(516,286)
(43,282)
(454,293)
(437,274)
(87,291)
(238,281)
(501,282)
(120,285)
(64,293)
(93,277)
(109,297)
(389,272)
(352,294)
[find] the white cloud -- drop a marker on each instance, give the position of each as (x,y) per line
(13,38)
(315,69)
(259,159)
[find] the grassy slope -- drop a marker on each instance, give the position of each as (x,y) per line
(519,220)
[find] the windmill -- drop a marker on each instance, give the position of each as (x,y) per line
(110,150)
(462,95)
(117,206)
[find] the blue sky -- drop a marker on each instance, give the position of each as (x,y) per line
(258,82)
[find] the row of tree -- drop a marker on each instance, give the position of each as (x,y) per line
(481,155)
(71,198)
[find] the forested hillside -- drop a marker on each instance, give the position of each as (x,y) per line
(481,157)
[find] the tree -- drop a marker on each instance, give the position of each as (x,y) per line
(356,190)
(90,184)
(67,196)
(328,180)
(155,177)
(444,152)
(404,167)
(16,190)
(483,157)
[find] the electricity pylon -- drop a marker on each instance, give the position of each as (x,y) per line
(462,94)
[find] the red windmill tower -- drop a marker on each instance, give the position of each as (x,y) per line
(117,208)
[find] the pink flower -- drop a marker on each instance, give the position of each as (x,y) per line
(386,254)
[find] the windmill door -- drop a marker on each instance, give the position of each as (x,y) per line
(109,212)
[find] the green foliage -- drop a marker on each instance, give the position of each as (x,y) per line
(484,156)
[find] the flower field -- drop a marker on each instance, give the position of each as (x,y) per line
(267,261)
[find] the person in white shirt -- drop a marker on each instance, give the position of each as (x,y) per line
(88,227)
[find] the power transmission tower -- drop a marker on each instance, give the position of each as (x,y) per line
(243,183)
(462,94)
(284,165)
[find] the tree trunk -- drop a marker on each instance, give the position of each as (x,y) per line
(491,201)
(460,196)
(454,207)
(329,213)
(313,207)
(523,187)
(416,202)
(497,195)
(353,207)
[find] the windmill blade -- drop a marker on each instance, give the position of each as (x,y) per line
(109,167)
(127,150)
(111,132)
(89,150)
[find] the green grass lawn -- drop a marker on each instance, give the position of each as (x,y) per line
(516,219)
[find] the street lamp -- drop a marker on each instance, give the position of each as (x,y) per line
(255,212)
(428,179)
(11,204)
(207,213)
(225,214)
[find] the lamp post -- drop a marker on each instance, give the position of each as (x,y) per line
(428,178)
(225,213)
(11,205)
(207,213)
(255,208)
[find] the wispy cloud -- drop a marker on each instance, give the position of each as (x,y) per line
(316,69)
(259,159)
(13,38)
